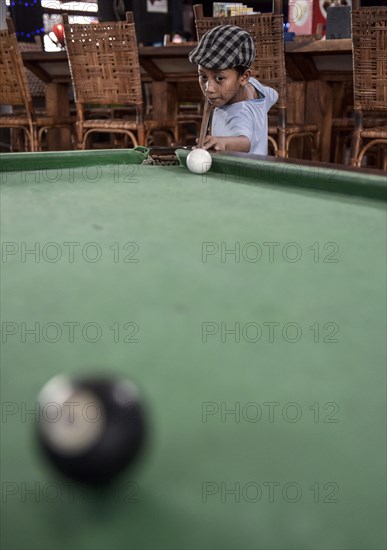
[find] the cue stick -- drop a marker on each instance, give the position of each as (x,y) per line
(207,110)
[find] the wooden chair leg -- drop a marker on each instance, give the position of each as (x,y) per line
(141,135)
(79,136)
(283,148)
(355,149)
(18,139)
(22,139)
(274,145)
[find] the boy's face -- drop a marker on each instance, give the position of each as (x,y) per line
(222,87)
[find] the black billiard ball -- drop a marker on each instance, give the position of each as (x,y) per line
(91,428)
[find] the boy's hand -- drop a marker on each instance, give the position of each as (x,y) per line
(215,143)
(237,143)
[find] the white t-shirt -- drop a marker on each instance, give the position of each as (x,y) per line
(246,118)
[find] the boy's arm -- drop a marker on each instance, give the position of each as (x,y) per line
(234,143)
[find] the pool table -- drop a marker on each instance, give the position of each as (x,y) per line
(249,307)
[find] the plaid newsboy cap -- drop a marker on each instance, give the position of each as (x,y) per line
(224,47)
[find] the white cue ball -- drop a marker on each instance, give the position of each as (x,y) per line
(199,161)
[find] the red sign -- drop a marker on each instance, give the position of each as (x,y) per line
(307,16)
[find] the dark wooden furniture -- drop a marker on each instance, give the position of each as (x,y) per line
(105,72)
(322,68)
(369,35)
(15,92)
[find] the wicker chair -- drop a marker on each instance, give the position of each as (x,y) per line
(269,68)
(105,71)
(15,92)
(190,104)
(369,38)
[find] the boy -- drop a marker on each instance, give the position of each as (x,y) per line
(239,122)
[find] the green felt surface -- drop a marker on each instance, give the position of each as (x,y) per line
(326,470)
